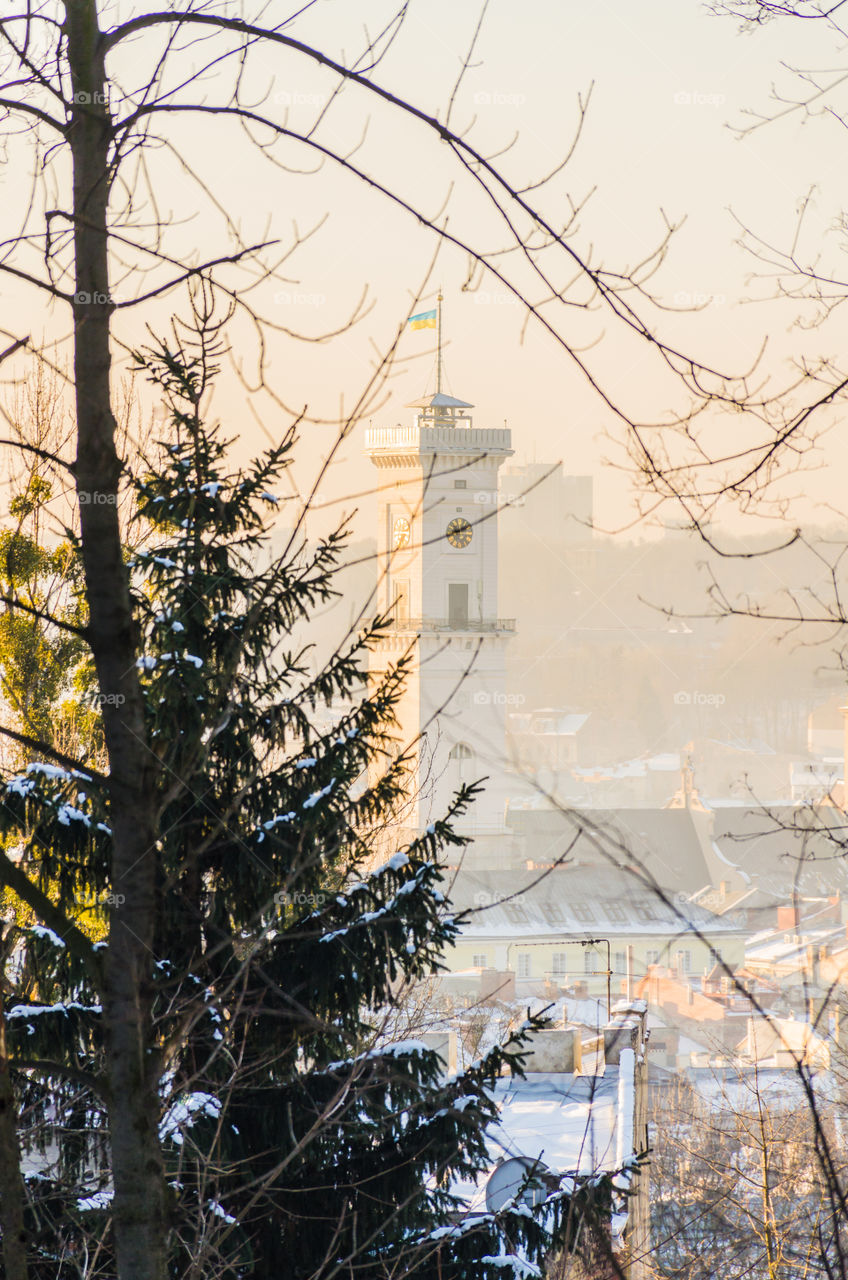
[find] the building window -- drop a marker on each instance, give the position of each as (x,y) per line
(619,964)
(651,957)
(524,964)
(460,484)
(683,960)
(715,955)
(614,911)
(552,912)
(515,913)
(590,960)
(646,911)
(458,604)
(461,751)
(582,911)
(479,961)
(559,964)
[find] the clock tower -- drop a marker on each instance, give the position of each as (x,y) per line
(437,548)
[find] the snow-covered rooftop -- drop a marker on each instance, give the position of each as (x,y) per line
(580,1125)
(572,901)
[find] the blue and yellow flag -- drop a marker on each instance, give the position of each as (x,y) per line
(424,320)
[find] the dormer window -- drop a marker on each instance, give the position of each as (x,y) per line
(515,913)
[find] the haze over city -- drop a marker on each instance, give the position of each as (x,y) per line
(423,709)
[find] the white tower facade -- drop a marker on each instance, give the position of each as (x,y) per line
(437,546)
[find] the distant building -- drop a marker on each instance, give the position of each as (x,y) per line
(697,1013)
(644,781)
(743,767)
(568,1121)
(785,1043)
(757,907)
(670,846)
(816,781)
(792,955)
(820,779)
(544,739)
(784,848)
(826,728)
(539,496)
(562,929)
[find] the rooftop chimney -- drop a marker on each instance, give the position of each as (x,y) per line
(788,918)
(557,1049)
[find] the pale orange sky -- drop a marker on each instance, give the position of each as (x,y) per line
(668,80)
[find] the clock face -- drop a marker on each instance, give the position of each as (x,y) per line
(400,532)
(459,532)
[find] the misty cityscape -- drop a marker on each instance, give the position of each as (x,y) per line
(423,701)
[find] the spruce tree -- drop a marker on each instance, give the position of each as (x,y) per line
(297,1142)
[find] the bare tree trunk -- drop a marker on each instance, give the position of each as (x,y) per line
(132,1063)
(11,1182)
(769,1224)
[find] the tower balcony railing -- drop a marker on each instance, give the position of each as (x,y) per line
(450,624)
(428,438)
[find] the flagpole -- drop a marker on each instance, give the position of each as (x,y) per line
(439,344)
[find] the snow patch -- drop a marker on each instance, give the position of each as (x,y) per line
(311,802)
(519,1266)
(220,1212)
(395,863)
(41,931)
(49,771)
(67,814)
(20,786)
(189,657)
(100,1200)
(183,1113)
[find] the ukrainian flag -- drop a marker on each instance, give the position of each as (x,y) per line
(424,320)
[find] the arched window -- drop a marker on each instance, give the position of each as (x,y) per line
(461,751)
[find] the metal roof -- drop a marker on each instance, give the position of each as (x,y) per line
(440,401)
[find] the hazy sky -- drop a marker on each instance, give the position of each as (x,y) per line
(668,80)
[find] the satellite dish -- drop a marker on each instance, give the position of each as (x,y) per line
(507,1180)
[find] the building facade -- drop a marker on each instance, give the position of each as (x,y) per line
(563,928)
